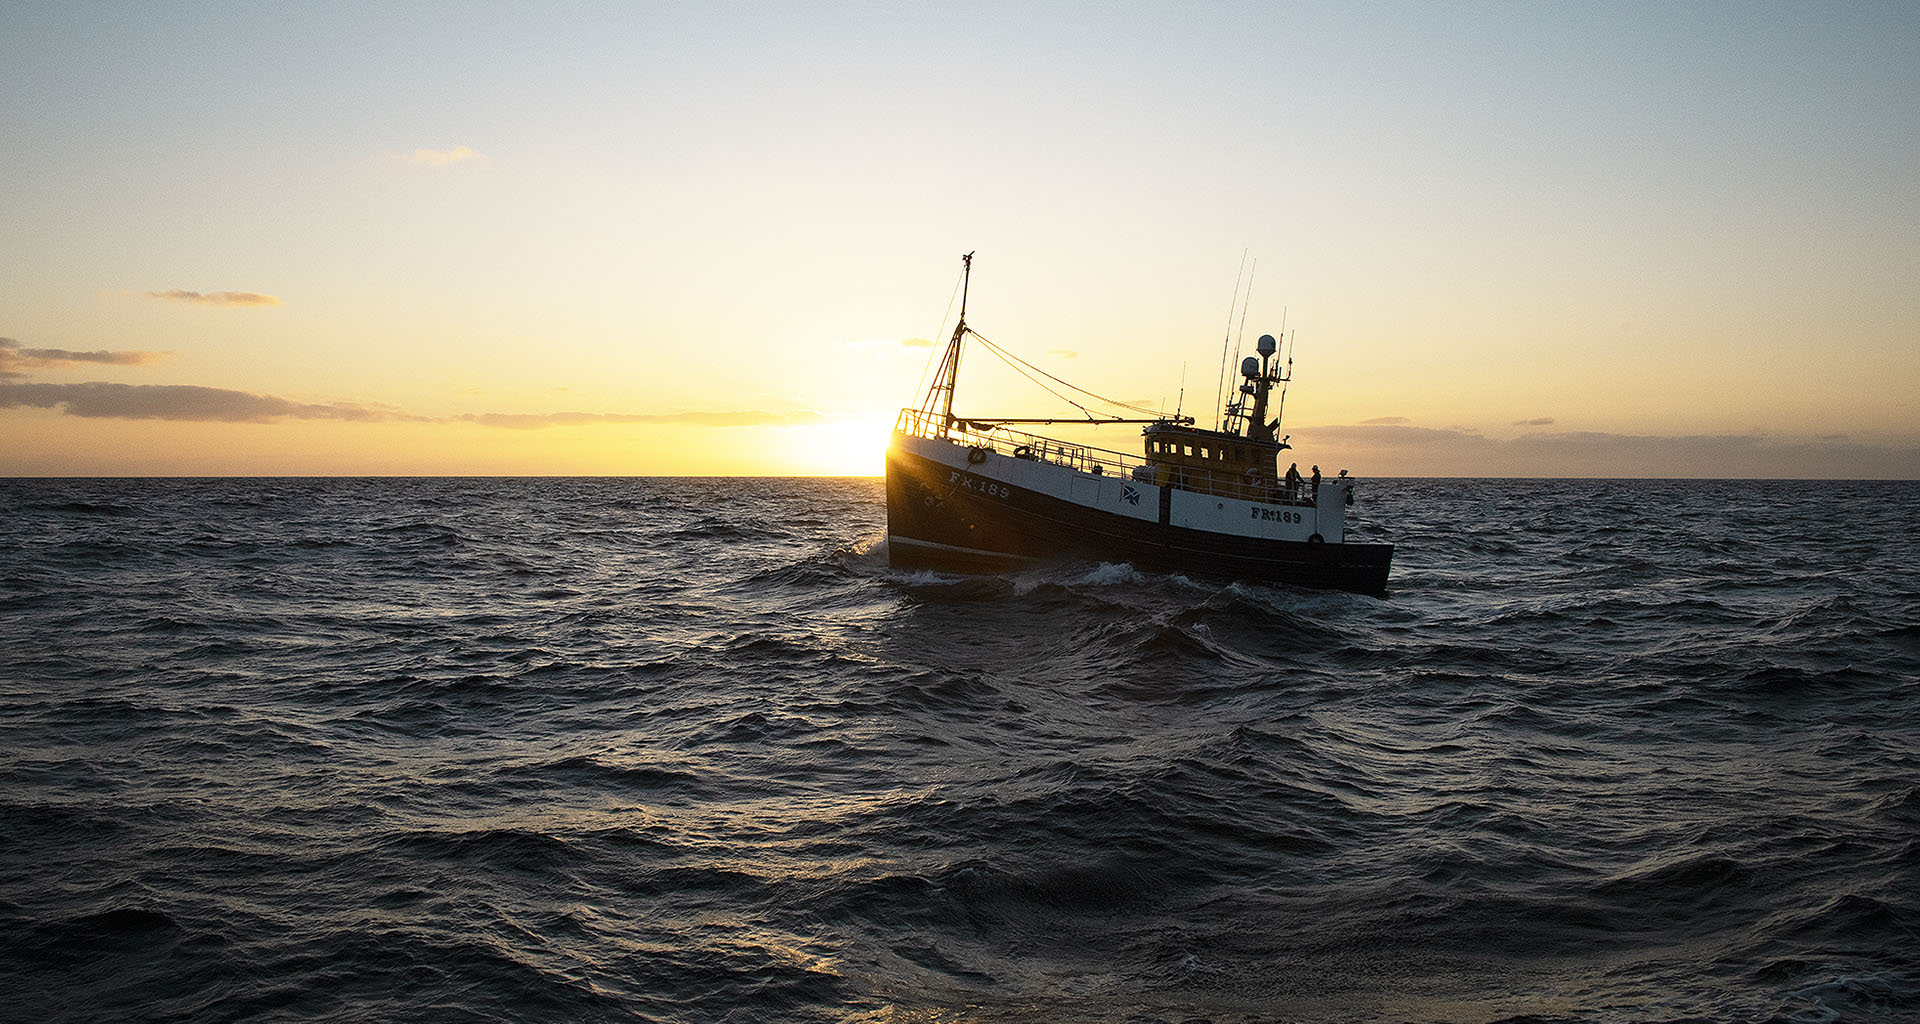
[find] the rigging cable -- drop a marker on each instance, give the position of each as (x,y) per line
(928,365)
(1110,401)
(1040,383)
(1011,358)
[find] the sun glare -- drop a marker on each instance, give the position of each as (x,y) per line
(847,447)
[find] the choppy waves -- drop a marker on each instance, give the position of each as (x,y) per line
(689,750)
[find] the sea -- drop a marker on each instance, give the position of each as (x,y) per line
(631,749)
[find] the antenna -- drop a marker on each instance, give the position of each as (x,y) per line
(1221,385)
(1182,402)
(1281,413)
(1243,307)
(1248,301)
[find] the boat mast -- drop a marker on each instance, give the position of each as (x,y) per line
(949,371)
(959,334)
(1262,380)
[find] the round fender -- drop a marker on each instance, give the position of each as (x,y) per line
(1316,539)
(976,455)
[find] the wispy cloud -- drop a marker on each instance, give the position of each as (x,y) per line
(1386,421)
(1538,421)
(14,359)
(1064,353)
(442,157)
(193,403)
(536,421)
(887,344)
(103,400)
(216,298)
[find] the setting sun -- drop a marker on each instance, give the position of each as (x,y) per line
(852,447)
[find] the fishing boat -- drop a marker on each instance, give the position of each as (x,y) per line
(974,494)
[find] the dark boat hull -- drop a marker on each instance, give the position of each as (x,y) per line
(944,518)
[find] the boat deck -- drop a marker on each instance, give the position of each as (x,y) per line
(990,437)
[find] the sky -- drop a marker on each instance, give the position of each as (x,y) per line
(1509,239)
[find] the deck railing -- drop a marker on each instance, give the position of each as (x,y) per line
(1089,459)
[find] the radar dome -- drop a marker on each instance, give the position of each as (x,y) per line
(1266,345)
(1249,367)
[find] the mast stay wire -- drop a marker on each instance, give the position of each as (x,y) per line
(1028,372)
(931,345)
(1091,416)
(1018,363)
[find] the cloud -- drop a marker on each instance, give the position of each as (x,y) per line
(537,421)
(14,359)
(103,400)
(1400,450)
(1398,435)
(192,403)
(1386,421)
(1064,353)
(442,157)
(887,344)
(216,298)
(1376,449)
(1538,421)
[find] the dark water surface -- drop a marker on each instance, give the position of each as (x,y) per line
(687,750)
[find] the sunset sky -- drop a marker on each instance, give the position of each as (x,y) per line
(1515,239)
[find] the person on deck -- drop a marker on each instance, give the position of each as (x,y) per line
(1293,481)
(1316,483)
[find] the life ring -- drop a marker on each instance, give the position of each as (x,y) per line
(976,455)
(1025,451)
(1316,539)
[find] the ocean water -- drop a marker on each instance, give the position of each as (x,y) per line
(687,750)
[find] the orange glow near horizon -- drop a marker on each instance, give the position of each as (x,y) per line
(538,266)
